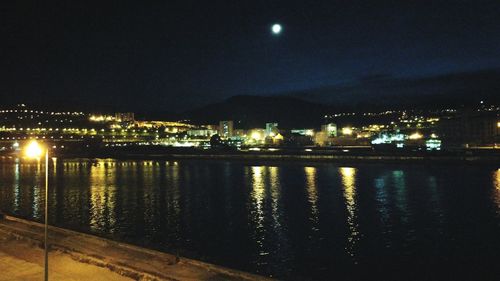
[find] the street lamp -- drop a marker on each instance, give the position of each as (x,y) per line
(35,151)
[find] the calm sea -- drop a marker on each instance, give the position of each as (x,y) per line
(297,221)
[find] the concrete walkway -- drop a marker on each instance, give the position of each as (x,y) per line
(75,255)
(21,261)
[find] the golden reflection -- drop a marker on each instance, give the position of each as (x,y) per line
(257,196)
(102,197)
(174,202)
(496,183)
(496,179)
(275,194)
(258,191)
(348,175)
(312,194)
(37,197)
(150,197)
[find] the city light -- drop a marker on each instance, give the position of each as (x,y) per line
(101,118)
(347,131)
(415,136)
(433,144)
(405,125)
(33,150)
(256,135)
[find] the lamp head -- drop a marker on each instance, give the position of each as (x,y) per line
(33,150)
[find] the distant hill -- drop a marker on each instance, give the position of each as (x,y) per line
(307,108)
(255,111)
(380,92)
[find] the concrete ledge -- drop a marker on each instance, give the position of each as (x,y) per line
(127,260)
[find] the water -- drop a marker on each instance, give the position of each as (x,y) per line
(294,221)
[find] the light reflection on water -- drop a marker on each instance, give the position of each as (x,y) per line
(496,191)
(312,195)
(257,214)
(102,197)
(287,220)
(399,180)
(348,175)
(258,194)
(275,188)
(16,185)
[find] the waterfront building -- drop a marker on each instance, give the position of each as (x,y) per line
(226,129)
(303,132)
(329,129)
(271,129)
(203,132)
(256,136)
(321,138)
(240,133)
(300,139)
(274,140)
(348,131)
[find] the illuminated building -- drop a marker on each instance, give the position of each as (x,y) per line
(415,136)
(125,117)
(168,126)
(201,133)
(240,133)
(347,131)
(433,144)
(274,139)
(256,136)
(322,139)
(271,129)
(303,132)
(329,129)
(387,138)
(101,118)
(226,129)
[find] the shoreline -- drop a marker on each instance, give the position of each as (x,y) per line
(324,158)
(328,156)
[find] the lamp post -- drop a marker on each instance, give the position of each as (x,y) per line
(35,151)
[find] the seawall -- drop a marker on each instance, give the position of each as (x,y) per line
(128,260)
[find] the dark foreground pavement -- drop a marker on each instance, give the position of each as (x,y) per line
(78,256)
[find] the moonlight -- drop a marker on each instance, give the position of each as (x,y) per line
(276,28)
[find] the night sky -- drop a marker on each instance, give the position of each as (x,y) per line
(176,56)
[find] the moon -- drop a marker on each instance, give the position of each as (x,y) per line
(276,28)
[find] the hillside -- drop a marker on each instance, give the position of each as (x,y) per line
(255,111)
